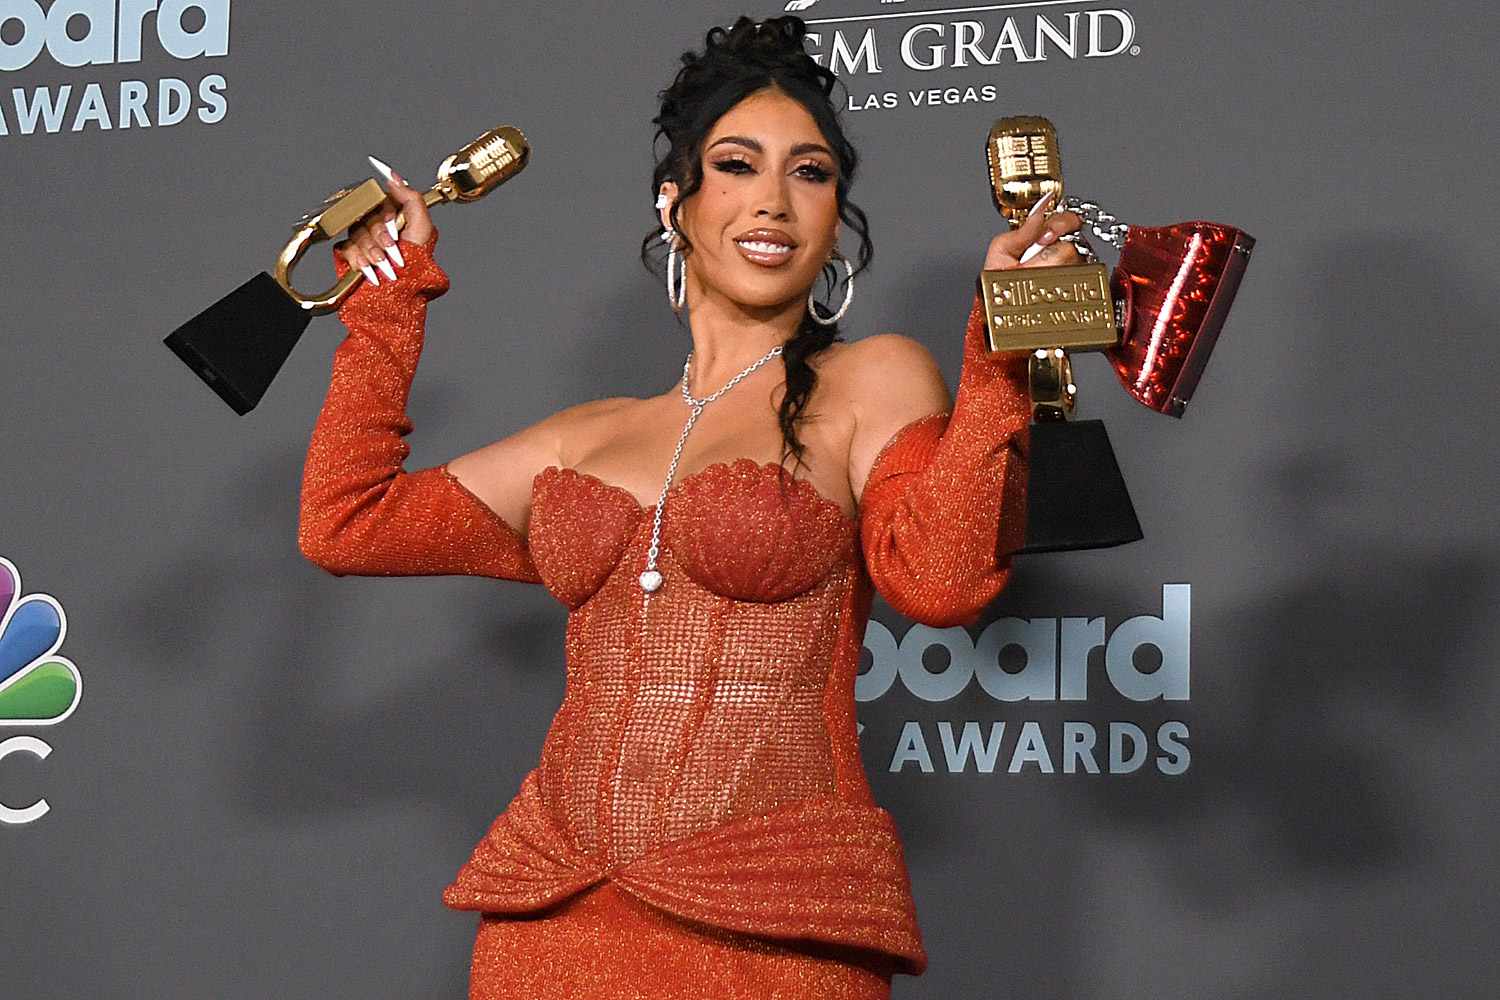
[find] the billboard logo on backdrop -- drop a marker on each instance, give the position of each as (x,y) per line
(1056,669)
(37,687)
(976,41)
(72,34)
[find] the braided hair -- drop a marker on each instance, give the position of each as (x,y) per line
(736,62)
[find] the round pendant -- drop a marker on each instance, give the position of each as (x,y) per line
(650,580)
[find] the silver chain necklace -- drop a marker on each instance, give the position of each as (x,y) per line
(651,578)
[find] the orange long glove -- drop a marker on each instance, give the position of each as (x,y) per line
(945,504)
(362,513)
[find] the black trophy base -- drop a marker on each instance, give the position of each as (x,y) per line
(238,344)
(1077,498)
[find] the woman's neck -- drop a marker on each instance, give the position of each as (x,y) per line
(729,337)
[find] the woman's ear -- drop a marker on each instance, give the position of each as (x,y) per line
(664,199)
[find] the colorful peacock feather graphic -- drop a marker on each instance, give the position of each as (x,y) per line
(37,688)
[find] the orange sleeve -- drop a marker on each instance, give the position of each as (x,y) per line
(945,503)
(361,512)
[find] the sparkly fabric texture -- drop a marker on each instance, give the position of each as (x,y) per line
(700,812)
(361,512)
(945,505)
(605,943)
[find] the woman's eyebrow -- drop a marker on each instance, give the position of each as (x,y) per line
(749,143)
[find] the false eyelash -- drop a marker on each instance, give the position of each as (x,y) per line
(819,173)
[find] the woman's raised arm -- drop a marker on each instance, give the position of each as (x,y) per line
(944,503)
(361,512)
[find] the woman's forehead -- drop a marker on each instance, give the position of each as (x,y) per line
(769,120)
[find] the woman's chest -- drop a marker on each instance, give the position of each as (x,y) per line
(742,529)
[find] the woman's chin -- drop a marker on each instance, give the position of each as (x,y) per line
(770,291)
(766,303)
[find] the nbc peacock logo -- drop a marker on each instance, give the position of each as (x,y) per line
(37,687)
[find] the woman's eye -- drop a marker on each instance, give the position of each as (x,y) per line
(811,171)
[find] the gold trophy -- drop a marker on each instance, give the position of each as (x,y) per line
(1156,318)
(238,344)
(1076,496)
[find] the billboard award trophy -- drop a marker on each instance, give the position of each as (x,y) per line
(238,344)
(1156,318)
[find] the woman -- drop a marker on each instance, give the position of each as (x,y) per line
(699,823)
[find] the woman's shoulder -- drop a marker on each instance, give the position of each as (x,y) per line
(871,366)
(603,406)
(593,411)
(877,347)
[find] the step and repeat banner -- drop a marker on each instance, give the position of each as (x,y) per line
(1246,756)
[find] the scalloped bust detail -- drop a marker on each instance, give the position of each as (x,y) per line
(727,526)
(734,533)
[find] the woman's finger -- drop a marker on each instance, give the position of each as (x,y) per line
(1056,254)
(366,243)
(413,208)
(1010,245)
(375,252)
(356,258)
(384,229)
(417,225)
(1035,222)
(1064,222)
(1058,224)
(394,234)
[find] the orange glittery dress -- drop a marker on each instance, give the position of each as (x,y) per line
(699,823)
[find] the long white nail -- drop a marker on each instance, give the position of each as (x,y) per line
(394,250)
(1040,204)
(369,274)
(1031,252)
(387,269)
(382,169)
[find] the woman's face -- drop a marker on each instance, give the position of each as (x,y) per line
(766,166)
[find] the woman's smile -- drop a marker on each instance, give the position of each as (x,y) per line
(764,254)
(766,247)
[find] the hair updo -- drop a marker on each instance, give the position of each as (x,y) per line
(735,63)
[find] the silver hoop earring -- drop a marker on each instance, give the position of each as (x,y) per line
(676,286)
(848,296)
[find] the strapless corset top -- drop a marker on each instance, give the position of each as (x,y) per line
(727,526)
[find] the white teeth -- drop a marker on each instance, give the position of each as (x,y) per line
(764,247)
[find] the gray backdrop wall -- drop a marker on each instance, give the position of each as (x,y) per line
(273,772)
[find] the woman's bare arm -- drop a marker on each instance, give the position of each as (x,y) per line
(501,473)
(894,381)
(362,513)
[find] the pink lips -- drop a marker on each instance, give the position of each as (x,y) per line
(761,257)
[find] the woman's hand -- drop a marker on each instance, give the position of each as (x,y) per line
(372,243)
(1007,249)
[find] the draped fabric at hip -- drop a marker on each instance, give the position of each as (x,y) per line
(819,869)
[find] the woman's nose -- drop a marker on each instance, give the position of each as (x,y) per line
(773,196)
